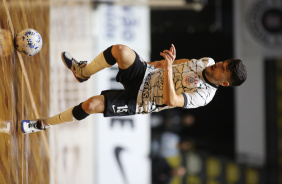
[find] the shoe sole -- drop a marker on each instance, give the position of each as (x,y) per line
(62,56)
(78,79)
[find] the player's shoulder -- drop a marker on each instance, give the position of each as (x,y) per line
(207,61)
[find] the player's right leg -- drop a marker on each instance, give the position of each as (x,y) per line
(95,104)
(120,54)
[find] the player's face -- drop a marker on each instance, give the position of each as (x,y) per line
(218,73)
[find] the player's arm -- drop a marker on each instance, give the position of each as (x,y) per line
(157,64)
(161,63)
(170,96)
(179,61)
(197,98)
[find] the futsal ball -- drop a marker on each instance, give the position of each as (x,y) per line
(28,42)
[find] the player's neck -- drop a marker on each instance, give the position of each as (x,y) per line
(209,79)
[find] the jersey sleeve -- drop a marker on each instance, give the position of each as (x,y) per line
(207,61)
(197,98)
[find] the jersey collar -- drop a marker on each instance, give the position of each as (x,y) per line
(205,78)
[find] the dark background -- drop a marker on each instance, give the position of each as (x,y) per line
(208,33)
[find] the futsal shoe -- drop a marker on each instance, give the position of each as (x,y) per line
(30,126)
(74,66)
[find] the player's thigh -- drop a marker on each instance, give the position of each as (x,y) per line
(95,104)
(124,55)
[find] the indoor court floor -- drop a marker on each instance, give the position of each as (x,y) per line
(24,94)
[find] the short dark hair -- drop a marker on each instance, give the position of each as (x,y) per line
(238,71)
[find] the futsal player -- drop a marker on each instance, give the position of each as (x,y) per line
(148,86)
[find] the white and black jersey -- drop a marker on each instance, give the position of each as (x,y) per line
(189,79)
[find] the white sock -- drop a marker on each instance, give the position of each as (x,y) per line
(63,117)
(95,66)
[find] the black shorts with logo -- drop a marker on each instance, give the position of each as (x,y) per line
(123,102)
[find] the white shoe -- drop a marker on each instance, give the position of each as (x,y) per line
(74,66)
(30,126)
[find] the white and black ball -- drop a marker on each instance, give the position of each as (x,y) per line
(28,42)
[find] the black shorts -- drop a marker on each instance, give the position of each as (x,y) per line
(123,102)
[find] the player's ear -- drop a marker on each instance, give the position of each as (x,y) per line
(224,84)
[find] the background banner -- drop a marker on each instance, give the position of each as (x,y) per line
(123,144)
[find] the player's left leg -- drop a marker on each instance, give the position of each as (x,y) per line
(123,55)
(95,104)
(120,54)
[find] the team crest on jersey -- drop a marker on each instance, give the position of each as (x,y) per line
(192,79)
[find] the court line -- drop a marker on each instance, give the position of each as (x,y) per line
(46,145)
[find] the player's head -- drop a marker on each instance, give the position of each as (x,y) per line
(238,72)
(231,72)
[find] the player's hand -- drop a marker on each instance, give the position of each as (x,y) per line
(169,56)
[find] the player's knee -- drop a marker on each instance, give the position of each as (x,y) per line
(89,106)
(93,105)
(120,52)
